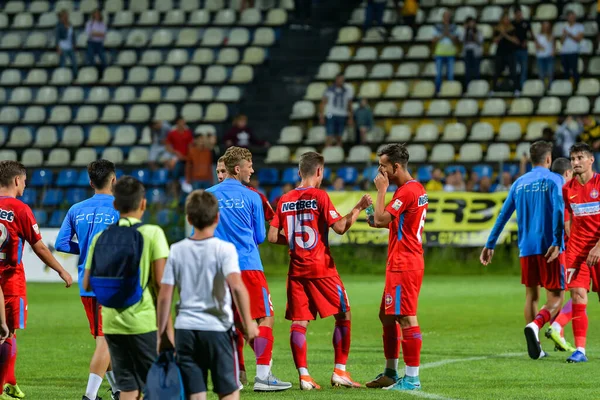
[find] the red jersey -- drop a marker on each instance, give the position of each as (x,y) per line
(268,210)
(305,215)
(409,209)
(17,224)
(584,203)
(180,141)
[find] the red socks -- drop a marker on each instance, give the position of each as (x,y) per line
(10,374)
(298,345)
(240,350)
(565,315)
(263,345)
(542,318)
(411,346)
(580,324)
(5,355)
(341,341)
(391,341)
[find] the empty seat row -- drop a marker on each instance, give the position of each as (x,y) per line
(138,113)
(71,177)
(83,156)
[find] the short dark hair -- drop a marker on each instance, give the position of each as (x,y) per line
(309,162)
(539,150)
(100,173)
(129,193)
(581,148)
(9,170)
(202,208)
(396,154)
(561,165)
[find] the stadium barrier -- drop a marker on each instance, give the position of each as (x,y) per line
(36,271)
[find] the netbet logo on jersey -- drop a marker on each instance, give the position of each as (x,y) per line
(299,205)
(7,215)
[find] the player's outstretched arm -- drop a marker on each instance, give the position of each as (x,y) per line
(276,237)
(163,314)
(43,252)
(64,240)
(508,208)
(4,332)
(242,303)
(342,226)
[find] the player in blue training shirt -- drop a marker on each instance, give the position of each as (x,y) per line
(83,221)
(242,222)
(537,198)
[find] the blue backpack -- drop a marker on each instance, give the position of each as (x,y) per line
(115,271)
(164,379)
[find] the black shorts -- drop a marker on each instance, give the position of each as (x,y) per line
(201,351)
(131,357)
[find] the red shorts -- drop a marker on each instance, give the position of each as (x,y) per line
(306,297)
(260,297)
(535,271)
(93,310)
(401,293)
(16,312)
(580,275)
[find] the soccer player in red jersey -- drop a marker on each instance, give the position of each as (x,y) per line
(581,196)
(405,218)
(314,286)
(17,224)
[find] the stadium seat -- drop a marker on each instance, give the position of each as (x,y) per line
(348,174)
(21,95)
(125,94)
(497,152)
(549,106)
(290,175)
(522,148)
(417,152)
(483,170)
(470,152)
(113,154)
(396,90)
(58,157)
(423,89)
(190,74)
(34,115)
(424,173)
(451,89)
(290,135)
(510,132)
(466,108)
(359,154)
(41,216)
(138,75)
(368,90)
(159,177)
(588,87)
(328,71)
(29,196)
(41,177)
(442,153)
(303,110)
(113,75)
(83,179)
(229,94)
(386,109)
(137,155)
(216,112)
(174,17)
(156,196)
(86,115)
(67,178)
(24,60)
(401,33)
(254,56)
(8,155)
(268,176)
(46,136)
(228,57)
(523,106)
(316,135)
(46,95)
(427,133)
(143,175)
(411,108)
(138,113)
(382,71)
(151,58)
(408,70)
(52,197)
(9,115)
(177,94)
(439,108)
(493,107)
(149,18)
(534,130)
(561,87)
(454,132)
(399,133)
(348,34)
(20,137)
(578,105)
(533,88)
(202,93)
(276,17)
(57,218)
(355,71)
(301,150)
(75,195)
(198,17)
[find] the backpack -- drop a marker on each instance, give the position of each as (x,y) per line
(164,379)
(115,274)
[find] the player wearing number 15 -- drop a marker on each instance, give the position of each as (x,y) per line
(314,286)
(536,196)
(405,217)
(17,224)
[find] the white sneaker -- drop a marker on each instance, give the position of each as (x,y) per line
(271,384)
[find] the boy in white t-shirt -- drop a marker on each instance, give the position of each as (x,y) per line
(206,272)
(571,45)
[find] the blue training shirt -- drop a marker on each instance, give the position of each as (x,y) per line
(241,221)
(537,198)
(83,221)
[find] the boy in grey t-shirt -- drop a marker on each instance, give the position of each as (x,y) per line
(206,272)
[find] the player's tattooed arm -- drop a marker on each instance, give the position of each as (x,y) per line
(276,237)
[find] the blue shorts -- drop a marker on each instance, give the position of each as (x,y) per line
(335,125)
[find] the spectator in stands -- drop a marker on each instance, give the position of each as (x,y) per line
(178,143)
(374,11)
(485,185)
(409,11)
(505,182)
(435,183)
(199,164)
(241,135)
(338,185)
(472,50)
(303,12)
(544,44)
(158,134)
(567,133)
(65,41)
(364,119)
(454,182)
(473,182)
(523,33)
(445,41)
(571,45)
(96,31)
(336,109)
(507,42)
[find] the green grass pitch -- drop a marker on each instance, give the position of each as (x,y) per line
(473,345)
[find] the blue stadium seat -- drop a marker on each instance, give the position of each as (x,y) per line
(41,216)
(165,217)
(83,180)
(29,197)
(370,173)
(514,168)
(290,175)
(41,177)
(57,218)
(326,174)
(52,197)
(75,195)
(143,175)
(348,174)
(67,177)
(268,176)
(392,188)
(156,196)
(483,170)
(119,173)
(275,193)
(424,173)
(452,169)
(160,177)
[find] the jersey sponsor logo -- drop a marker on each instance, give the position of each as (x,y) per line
(397,204)
(36,228)
(333,214)
(585,209)
(299,205)
(231,203)
(423,199)
(95,218)
(594,194)
(7,215)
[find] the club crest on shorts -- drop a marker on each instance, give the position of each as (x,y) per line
(388,300)
(594,194)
